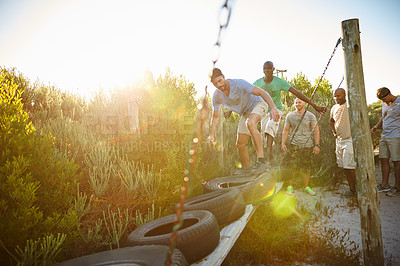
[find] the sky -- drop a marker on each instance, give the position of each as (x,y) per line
(83,45)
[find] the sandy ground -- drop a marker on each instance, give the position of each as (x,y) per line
(345,215)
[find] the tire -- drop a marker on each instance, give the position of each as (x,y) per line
(227,207)
(139,255)
(260,189)
(227,183)
(197,238)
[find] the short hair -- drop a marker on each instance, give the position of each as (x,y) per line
(382,92)
(341,89)
(216,72)
(268,63)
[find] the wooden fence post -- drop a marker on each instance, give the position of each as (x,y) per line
(363,151)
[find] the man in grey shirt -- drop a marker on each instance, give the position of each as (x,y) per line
(389,145)
(299,155)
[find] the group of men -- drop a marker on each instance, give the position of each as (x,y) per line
(260,102)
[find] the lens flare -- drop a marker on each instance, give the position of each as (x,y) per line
(238,164)
(268,190)
(284,205)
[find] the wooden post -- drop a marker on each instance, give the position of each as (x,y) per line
(363,151)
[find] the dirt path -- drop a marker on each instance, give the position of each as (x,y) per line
(345,216)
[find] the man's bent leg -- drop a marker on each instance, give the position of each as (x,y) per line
(397,173)
(241,143)
(268,140)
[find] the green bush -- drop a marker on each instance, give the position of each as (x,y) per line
(43,102)
(374,115)
(36,191)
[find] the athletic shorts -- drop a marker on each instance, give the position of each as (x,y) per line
(390,148)
(345,153)
(269,126)
(261,109)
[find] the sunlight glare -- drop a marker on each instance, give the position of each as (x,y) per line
(284,205)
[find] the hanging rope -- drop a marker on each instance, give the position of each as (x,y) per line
(202,114)
(316,87)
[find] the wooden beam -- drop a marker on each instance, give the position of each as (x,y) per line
(229,234)
(363,151)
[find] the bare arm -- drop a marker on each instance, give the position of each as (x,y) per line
(285,136)
(332,122)
(267,98)
(304,98)
(378,125)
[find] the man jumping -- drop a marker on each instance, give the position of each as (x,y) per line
(251,103)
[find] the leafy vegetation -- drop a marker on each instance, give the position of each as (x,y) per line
(36,189)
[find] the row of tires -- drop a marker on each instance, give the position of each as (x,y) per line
(224,201)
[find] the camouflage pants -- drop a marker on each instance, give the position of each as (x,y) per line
(298,159)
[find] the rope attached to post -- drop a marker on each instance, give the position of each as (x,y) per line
(316,87)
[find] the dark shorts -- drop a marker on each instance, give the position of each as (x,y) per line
(298,158)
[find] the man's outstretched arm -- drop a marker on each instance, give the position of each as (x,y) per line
(301,96)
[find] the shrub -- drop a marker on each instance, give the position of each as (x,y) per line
(36,190)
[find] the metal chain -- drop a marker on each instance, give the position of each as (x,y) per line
(202,114)
(316,87)
(201,118)
(224,17)
(329,61)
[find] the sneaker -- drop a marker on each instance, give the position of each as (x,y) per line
(259,168)
(310,191)
(394,191)
(241,171)
(289,190)
(246,171)
(383,188)
(350,193)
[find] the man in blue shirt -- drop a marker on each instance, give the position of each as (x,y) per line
(251,103)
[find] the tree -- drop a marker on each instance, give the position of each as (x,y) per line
(323,95)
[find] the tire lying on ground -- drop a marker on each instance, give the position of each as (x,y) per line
(227,183)
(139,255)
(198,236)
(227,207)
(261,188)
